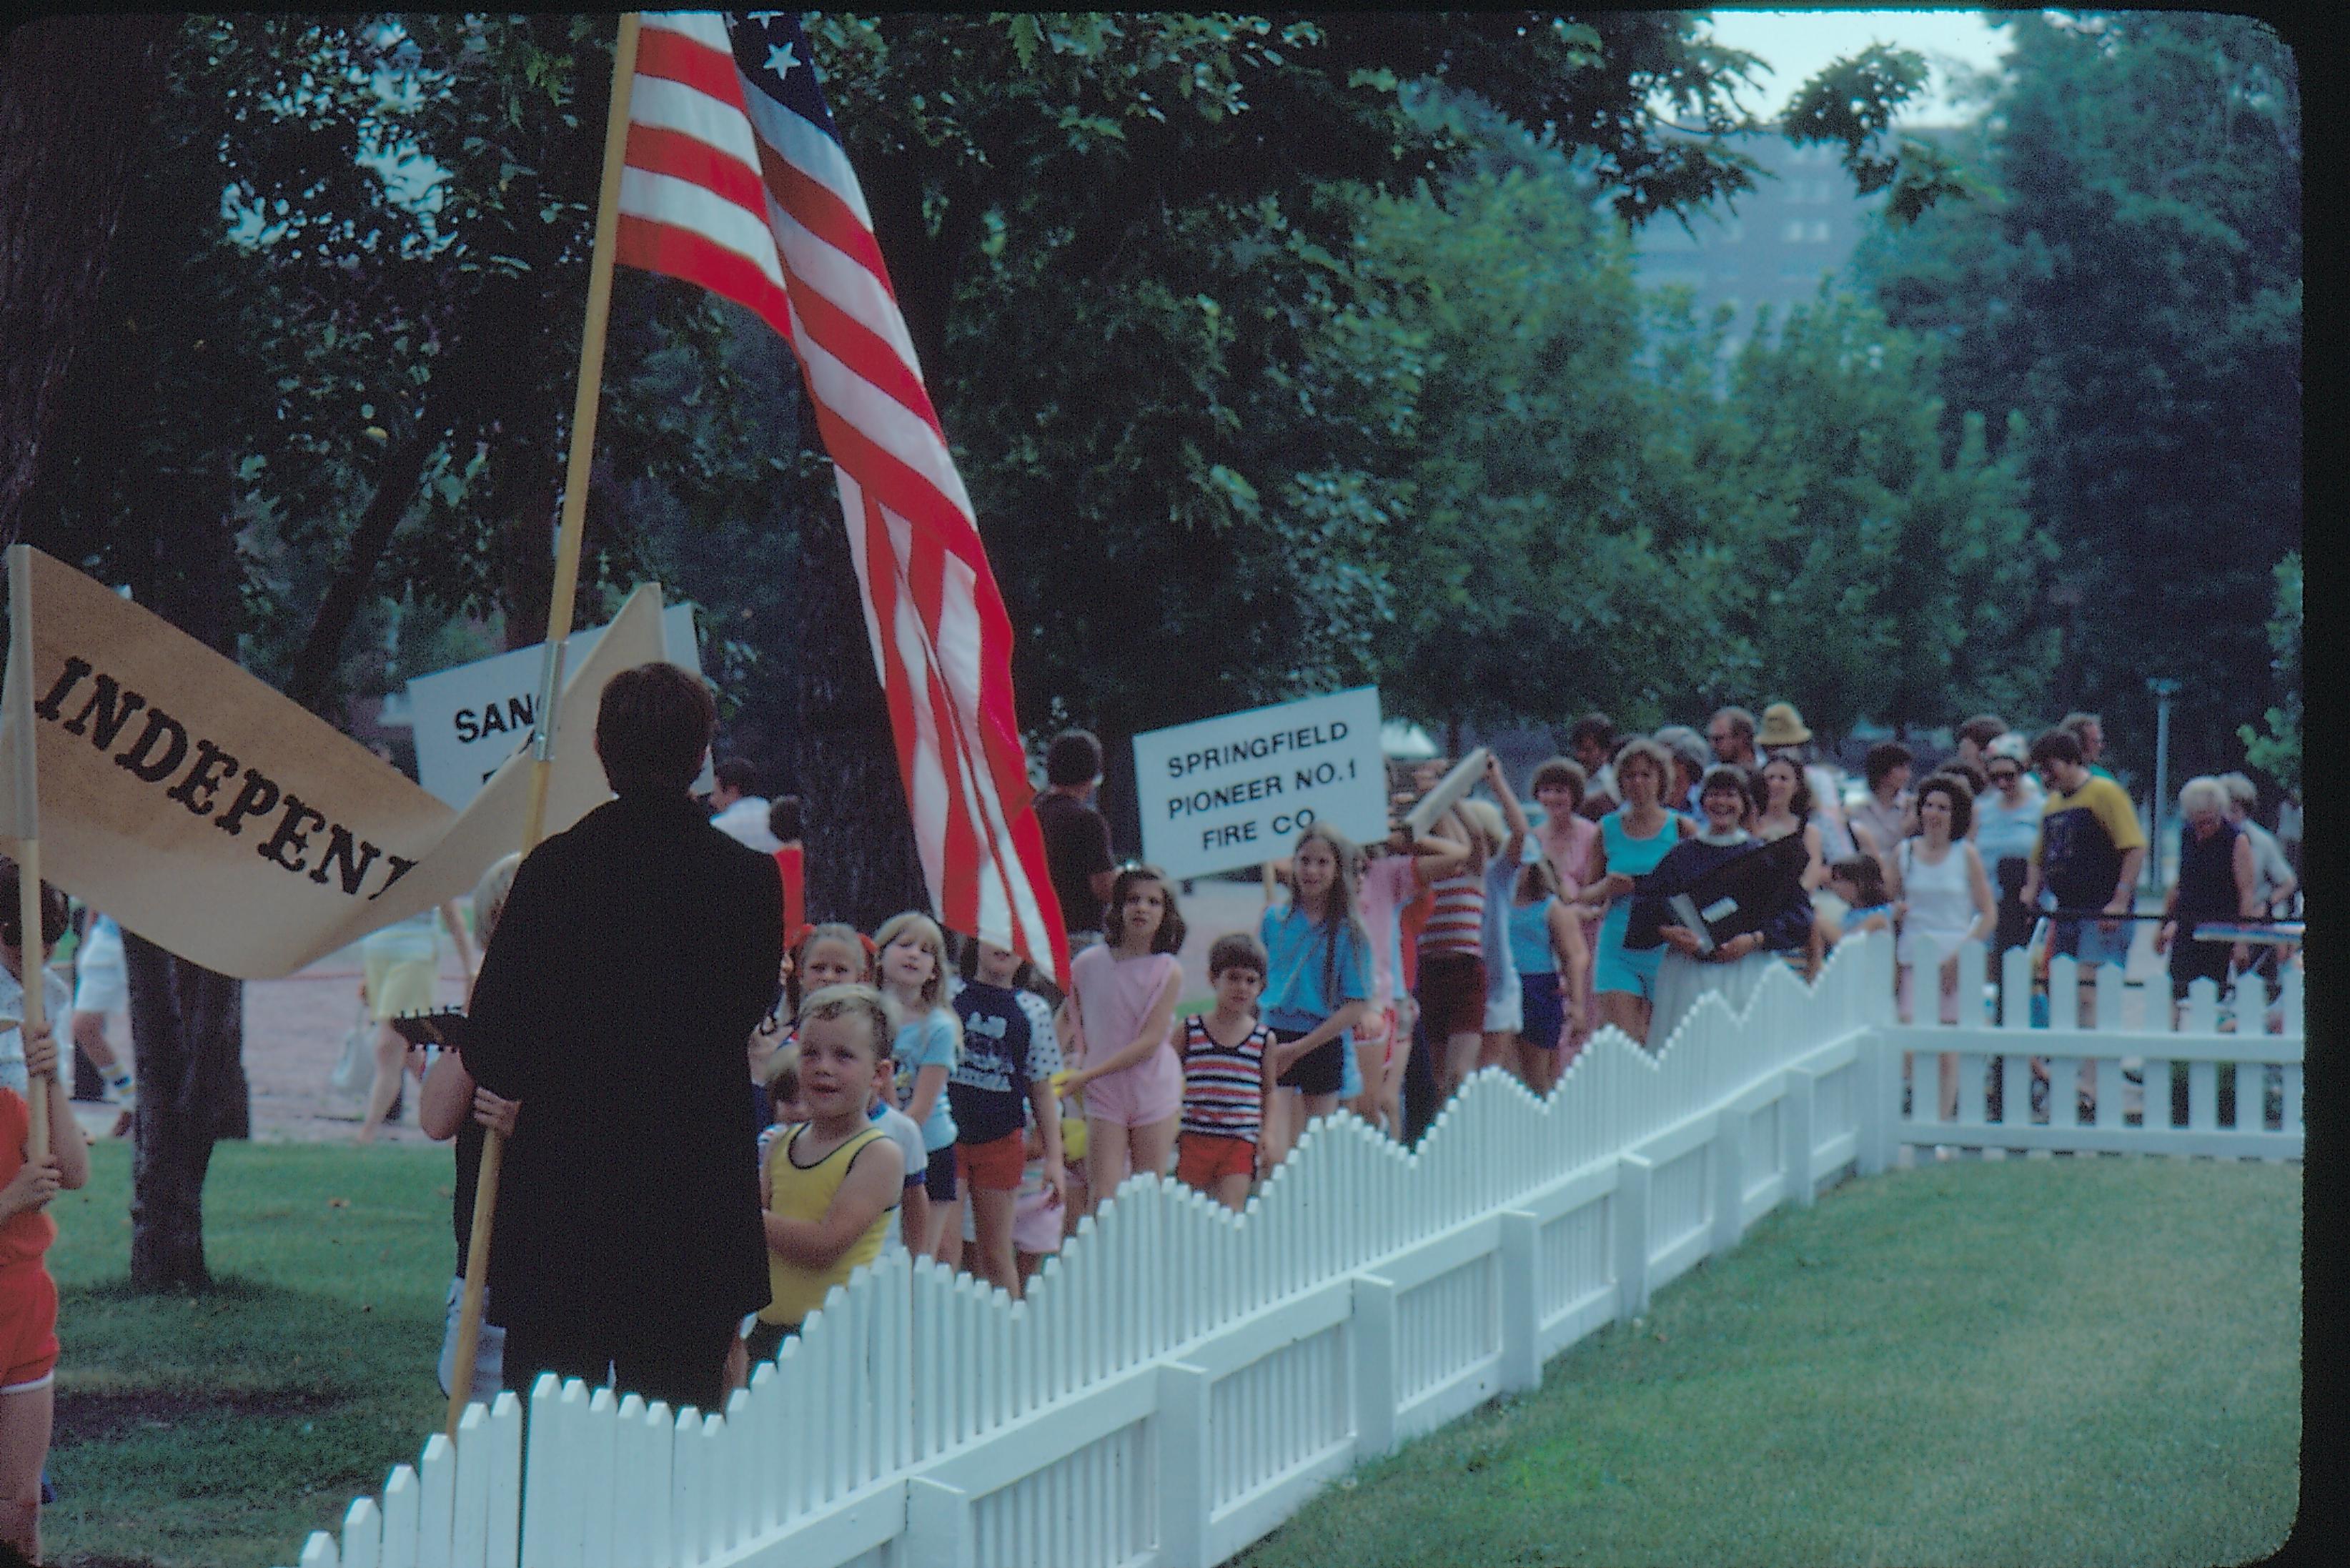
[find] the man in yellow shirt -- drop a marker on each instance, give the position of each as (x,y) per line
(2088,856)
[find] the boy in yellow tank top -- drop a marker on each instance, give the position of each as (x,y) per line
(831,1183)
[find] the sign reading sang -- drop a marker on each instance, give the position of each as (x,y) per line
(1231,792)
(470,718)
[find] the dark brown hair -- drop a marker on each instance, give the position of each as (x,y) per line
(1237,949)
(1561,770)
(2055,745)
(1168,938)
(1866,876)
(1799,803)
(1982,728)
(652,728)
(1962,803)
(1074,757)
(1883,758)
(11,923)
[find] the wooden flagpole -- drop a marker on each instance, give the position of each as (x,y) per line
(558,629)
(28,847)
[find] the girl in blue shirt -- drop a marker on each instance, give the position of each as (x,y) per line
(1317,985)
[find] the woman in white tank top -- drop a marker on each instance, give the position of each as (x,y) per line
(1943,899)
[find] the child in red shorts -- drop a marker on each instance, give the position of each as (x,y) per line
(1227,1077)
(1005,1078)
(28,1297)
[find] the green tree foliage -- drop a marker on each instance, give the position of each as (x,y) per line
(1878,575)
(1598,518)
(1529,574)
(348,299)
(2131,284)
(2276,751)
(1127,248)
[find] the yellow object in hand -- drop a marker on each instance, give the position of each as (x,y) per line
(1073,1128)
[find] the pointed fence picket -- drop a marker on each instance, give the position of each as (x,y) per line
(1180,1378)
(2033,1076)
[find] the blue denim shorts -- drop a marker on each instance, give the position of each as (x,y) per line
(2086,943)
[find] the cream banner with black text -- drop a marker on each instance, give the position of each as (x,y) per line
(226,822)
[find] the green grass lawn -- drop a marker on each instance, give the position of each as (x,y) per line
(2083,1361)
(223,1428)
(2075,1361)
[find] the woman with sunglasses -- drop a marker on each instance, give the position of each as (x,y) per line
(2007,822)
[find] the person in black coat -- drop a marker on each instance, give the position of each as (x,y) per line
(636,953)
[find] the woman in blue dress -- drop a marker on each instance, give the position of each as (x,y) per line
(1632,839)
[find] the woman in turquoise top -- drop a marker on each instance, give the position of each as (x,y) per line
(1632,839)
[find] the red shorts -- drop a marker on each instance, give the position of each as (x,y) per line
(28,1327)
(1451,995)
(1202,1157)
(992,1167)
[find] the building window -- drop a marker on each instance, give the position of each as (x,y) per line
(1793,232)
(1820,231)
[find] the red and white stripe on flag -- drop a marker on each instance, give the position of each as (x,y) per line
(734,179)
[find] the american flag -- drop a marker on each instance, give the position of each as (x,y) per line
(734,179)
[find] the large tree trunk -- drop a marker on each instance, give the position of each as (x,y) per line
(862,866)
(74,92)
(189,1023)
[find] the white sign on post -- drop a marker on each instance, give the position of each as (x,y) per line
(470,719)
(1232,792)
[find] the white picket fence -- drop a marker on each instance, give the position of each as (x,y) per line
(1181,1379)
(2129,1069)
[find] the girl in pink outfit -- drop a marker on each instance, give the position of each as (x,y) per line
(1570,841)
(1122,1001)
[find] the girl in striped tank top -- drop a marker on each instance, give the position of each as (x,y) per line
(1451,951)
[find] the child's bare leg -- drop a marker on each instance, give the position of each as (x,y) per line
(1231,1190)
(1459,1061)
(1391,1085)
(990,1223)
(914,1219)
(89,1034)
(1495,1048)
(1370,1061)
(738,1365)
(1625,1011)
(950,1231)
(1282,1121)
(1153,1145)
(1316,1107)
(1537,1066)
(25,1421)
(1105,1160)
(390,1067)
(936,1239)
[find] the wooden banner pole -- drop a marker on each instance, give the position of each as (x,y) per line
(28,845)
(558,629)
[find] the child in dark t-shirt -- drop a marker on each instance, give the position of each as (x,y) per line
(1009,1058)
